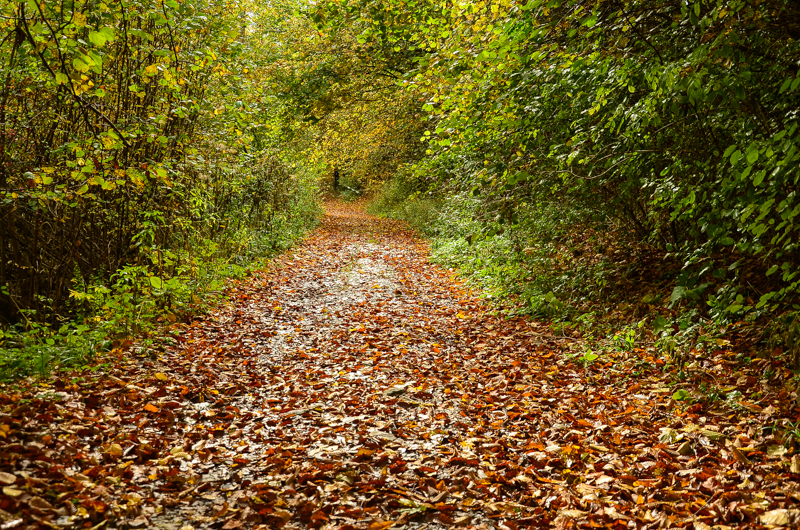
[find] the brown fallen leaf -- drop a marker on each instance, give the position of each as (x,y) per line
(232,523)
(12,492)
(782,517)
(795,468)
(380,525)
(740,457)
(139,522)
(222,511)
(573,514)
(40,504)
(283,514)
(7,479)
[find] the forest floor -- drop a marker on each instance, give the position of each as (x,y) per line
(355,385)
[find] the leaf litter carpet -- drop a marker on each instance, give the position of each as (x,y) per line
(356,386)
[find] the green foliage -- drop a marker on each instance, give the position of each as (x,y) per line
(37,349)
(270,211)
(528,260)
(671,125)
(140,166)
(403,198)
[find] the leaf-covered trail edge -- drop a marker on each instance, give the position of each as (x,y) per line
(355,385)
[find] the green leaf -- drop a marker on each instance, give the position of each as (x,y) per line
(677,293)
(752,157)
(772,270)
(785,86)
(97,38)
(681,395)
(735,157)
(759,178)
(108,33)
(155,281)
(660,324)
(764,299)
(80,65)
(729,151)
(61,78)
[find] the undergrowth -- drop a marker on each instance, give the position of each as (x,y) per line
(169,280)
(558,264)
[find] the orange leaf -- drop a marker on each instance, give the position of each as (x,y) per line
(150,408)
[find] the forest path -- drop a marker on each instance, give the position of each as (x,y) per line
(355,385)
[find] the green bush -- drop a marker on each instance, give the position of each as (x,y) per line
(403,197)
(263,208)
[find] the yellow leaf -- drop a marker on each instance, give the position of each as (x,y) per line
(161,377)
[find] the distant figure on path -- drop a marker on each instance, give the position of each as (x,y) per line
(335,179)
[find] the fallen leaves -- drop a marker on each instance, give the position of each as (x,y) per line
(12,492)
(782,517)
(317,400)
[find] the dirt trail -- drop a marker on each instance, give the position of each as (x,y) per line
(354,385)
